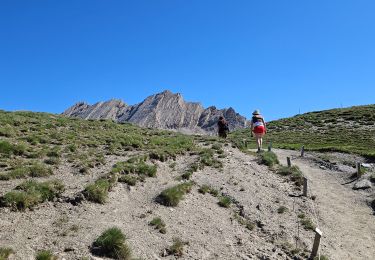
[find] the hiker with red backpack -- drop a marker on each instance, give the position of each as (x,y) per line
(258,128)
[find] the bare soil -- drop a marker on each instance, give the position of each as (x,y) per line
(211,231)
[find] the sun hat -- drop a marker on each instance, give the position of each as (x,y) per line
(256,112)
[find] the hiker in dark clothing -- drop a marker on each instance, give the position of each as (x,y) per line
(223,127)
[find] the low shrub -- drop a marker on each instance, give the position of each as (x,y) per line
(111,243)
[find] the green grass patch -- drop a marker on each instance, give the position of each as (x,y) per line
(5,252)
(329,130)
(135,166)
(172,196)
(294,173)
(177,248)
(282,209)
(159,224)
(268,158)
(244,222)
(207,158)
(128,179)
(7,149)
(97,191)
(45,255)
(308,224)
(36,169)
(40,170)
(112,243)
(225,201)
(31,193)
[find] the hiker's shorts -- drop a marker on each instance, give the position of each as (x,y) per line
(259,129)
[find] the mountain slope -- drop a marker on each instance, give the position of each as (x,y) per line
(350,130)
(164,110)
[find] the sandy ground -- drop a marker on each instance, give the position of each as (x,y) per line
(211,231)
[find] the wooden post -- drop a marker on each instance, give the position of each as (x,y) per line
(318,235)
(304,186)
(288,161)
(358,170)
(270,147)
(302,151)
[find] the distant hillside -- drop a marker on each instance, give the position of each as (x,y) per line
(164,110)
(349,130)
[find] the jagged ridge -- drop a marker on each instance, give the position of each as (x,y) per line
(164,110)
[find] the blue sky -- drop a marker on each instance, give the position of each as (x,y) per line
(279,56)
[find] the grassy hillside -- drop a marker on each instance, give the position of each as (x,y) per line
(33,143)
(349,130)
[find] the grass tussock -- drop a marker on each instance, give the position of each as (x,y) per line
(8,149)
(172,196)
(97,191)
(306,222)
(112,243)
(159,224)
(268,158)
(282,209)
(30,193)
(245,222)
(5,252)
(177,248)
(225,201)
(45,255)
(207,158)
(36,169)
(294,173)
(208,189)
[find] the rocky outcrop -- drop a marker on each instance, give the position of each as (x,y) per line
(165,110)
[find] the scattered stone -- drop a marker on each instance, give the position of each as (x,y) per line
(366,165)
(362,185)
(164,253)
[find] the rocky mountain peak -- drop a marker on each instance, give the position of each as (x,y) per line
(165,110)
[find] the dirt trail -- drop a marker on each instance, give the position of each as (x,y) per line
(346,221)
